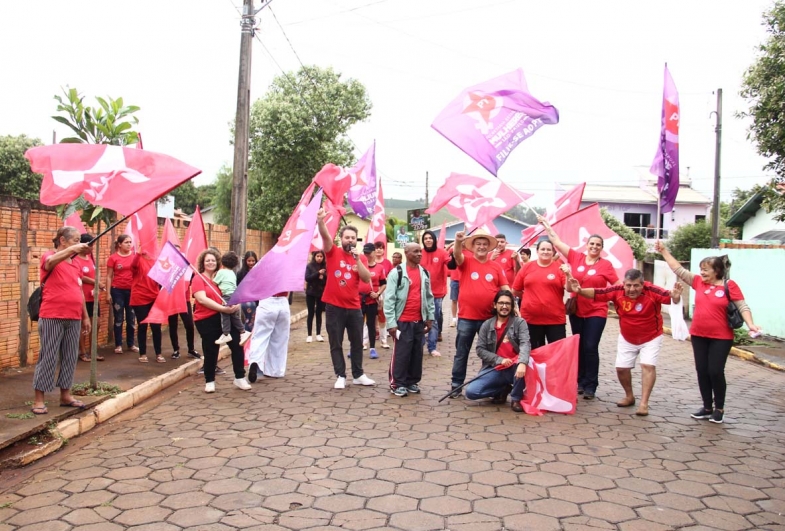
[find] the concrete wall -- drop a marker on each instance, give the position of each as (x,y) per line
(758,272)
(761,222)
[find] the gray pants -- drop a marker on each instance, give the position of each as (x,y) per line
(231,320)
(59,343)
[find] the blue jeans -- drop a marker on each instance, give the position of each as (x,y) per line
(467,329)
(436,329)
(492,383)
(121,304)
(590,329)
(248,312)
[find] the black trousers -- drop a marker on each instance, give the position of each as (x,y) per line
(210,330)
(315,309)
(406,361)
(538,334)
(188,324)
(710,357)
(339,320)
(141,330)
(370,312)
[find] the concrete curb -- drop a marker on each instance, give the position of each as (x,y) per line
(74,427)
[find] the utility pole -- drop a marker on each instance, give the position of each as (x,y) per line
(239,212)
(715,208)
(426,190)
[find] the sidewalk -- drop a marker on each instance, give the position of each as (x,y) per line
(123,370)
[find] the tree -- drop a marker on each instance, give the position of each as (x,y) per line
(16,178)
(524,214)
(223,196)
(688,237)
(763,86)
(295,129)
(633,239)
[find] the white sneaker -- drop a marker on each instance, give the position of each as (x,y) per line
(436,354)
(245,336)
(385,344)
(454,322)
(340,383)
(209,387)
(309,339)
(242,383)
(223,340)
(365,346)
(363,380)
(319,338)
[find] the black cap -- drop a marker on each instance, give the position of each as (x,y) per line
(368,248)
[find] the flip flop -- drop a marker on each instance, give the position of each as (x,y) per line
(142,359)
(74,403)
(100,358)
(118,350)
(160,359)
(84,358)
(40,410)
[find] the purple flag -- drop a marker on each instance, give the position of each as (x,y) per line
(283,267)
(666,160)
(363,198)
(169,267)
(489,120)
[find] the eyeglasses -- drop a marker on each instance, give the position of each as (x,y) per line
(503,303)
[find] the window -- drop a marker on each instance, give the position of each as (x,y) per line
(637,222)
(700,219)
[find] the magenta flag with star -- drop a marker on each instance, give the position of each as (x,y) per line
(362,197)
(488,121)
(666,159)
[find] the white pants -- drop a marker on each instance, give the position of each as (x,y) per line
(270,340)
(628,352)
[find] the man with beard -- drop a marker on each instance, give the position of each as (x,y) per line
(408,309)
(435,261)
(503,346)
(342,301)
(506,258)
(481,280)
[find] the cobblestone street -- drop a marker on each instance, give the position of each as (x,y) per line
(295,454)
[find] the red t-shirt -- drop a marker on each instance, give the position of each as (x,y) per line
(597,275)
(198,283)
(711,303)
(144,289)
(507,261)
(62,293)
(640,319)
(505,350)
(343,281)
(121,265)
(542,302)
(386,266)
(436,264)
(377,275)
(87,268)
(480,282)
(412,309)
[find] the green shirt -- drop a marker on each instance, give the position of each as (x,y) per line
(226,280)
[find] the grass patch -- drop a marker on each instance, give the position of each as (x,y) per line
(20,416)
(103,389)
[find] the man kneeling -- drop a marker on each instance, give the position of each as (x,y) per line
(503,339)
(639,306)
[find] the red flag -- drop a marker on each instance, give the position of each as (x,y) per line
(551,376)
(442,236)
(195,240)
(75,221)
(475,200)
(377,228)
(167,304)
(144,229)
(336,181)
(113,177)
(169,234)
(333,219)
(567,204)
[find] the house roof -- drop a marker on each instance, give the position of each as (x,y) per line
(460,222)
(746,211)
(596,193)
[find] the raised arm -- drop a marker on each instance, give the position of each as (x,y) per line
(562,247)
(327,239)
(457,251)
(674,264)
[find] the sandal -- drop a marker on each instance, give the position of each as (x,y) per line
(118,350)
(40,410)
(134,349)
(74,403)
(160,359)
(84,357)
(143,359)
(99,358)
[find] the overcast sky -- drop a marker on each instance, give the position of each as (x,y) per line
(600,63)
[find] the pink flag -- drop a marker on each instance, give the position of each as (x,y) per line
(169,267)
(489,120)
(283,267)
(333,219)
(75,221)
(443,236)
(362,198)
(475,200)
(144,229)
(113,177)
(377,228)
(666,160)
(336,181)
(567,203)
(551,376)
(195,240)
(169,234)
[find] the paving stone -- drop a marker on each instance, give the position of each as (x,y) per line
(83,517)
(38,515)
(392,504)
(573,494)
(553,507)
(445,505)
(611,512)
(528,522)
(665,516)
(186,500)
(499,507)
(689,488)
(721,520)
(362,519)
(305,519)
(137,500)
(195,516)
(236,500)
(339,503)
(417,521)
(145,515)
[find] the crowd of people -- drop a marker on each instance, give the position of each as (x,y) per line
(508,303)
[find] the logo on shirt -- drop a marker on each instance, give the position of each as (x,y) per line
(119,266)
(85,269)
(551,276)
(475,275)
(342,282)
(435,259)
(343,264)
(581,269)
(504,260)
(488,277)
(337,274)
(638,307)
(347,276)
(591,272)
(719,293)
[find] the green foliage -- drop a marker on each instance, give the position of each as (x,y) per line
(524,214)
(16,178)
(20,416)
(103,388)
(296,128)
(222,198)
(688,237)
(635,240)
(389,229)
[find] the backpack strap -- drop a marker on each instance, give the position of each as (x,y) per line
(400,275)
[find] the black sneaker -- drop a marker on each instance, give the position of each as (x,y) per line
(588,395)
(399,391)
(252,371)
(414,388)
(219,370)
(456,393)
(200,371)
(704,414)
(502,397)
(176,355)
(194,354)
(716,417)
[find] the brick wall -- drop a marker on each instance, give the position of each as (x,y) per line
(42,224)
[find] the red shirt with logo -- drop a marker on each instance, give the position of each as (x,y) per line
(377,276)
(505,349)
(201,283)
(144,289)
(122,277)
(480,282)
(506,259)
(62,296)
(640,319)
(436,264)
(542,302)
(343,280)
(412,309)
(597,275)
(87,268)
(711,303)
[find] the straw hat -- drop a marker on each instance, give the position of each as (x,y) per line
(468,242)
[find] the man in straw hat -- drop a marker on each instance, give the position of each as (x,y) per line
(481,280)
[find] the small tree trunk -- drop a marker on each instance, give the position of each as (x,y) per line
(94,317)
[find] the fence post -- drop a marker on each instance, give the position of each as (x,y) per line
(24,284)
